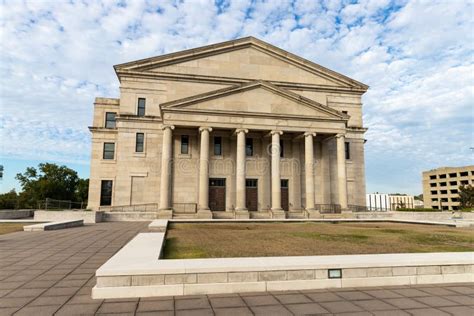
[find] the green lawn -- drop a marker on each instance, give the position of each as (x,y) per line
(218,240)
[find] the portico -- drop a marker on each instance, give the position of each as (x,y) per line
(234,144)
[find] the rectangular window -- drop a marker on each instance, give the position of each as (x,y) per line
(184,144)
(434,192)
(453,175)
(348,150)
(453,183)
(139,143)
(110,119)
(109,151)
(282,149)
(433,185)
(249,147)
(442,176)
(106,192)
(217,146)
(141,107)
(464,174)
(433,177)
(217,182)
(284,183)
(442,184)
(251,183)
(345,112)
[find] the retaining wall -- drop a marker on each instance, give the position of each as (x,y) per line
(88,217)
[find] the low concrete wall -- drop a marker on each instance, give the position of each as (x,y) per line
(53,226)
(14,214)
(129,216)
(137,271)
(88,217)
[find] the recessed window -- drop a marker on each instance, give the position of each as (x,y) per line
(434,192)
(464,174)
(453,183)
(454,191)
(348,150)
(217,146)
(433,185)
(109,151)
(432,177)
(141,107)
(110,119)
(442,176)
(443,191)
(442,184)
(106,192)
(139,142)
(249,147)
(251,183)
(453,175)
(184,144)
(345,112)
(284,183)
(217,182)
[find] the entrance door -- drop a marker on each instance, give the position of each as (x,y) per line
(251,194)
(284,194)
(217,194)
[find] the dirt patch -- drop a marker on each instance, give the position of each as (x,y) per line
(6,228)
(226,240)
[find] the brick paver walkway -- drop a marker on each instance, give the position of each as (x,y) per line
(45,273)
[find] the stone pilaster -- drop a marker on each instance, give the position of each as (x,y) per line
(341,171)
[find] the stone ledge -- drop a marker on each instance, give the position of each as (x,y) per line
(53,225)
(137,271)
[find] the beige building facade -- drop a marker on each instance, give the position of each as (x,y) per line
(240,128)
(441,186)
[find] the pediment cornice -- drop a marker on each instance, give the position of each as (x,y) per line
(183,104)
(145,65)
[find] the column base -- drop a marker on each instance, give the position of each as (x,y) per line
(204,214)
(278,213)
(241,214)
(312,213)
(165,214)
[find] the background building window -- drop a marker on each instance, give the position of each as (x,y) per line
(249,146)
(217,146)
(110,119)
(185,144)
(140,140)
(109,151)
(141,107)
(348,150)
(106,192)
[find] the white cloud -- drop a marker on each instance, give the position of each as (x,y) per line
(417,57)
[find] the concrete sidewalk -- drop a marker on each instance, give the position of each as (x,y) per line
(46,273)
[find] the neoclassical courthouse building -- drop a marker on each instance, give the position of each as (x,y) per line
(236,129)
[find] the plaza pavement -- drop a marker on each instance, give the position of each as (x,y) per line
(52,272)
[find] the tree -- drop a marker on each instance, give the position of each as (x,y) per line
(82,190)
(466,196)
(49,181)
(9,200)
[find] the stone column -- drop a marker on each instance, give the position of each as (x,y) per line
(240,209)
(203,203)
(276,184)
(341,171)
(165,210)
(309,169)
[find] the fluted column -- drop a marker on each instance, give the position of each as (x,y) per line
(341,171)
(166,160)
(203,203)
(276,182)
(240,171)
(309,169)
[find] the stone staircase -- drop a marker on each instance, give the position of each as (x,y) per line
(296,214)
(184,216)
(223,215)
(260,215)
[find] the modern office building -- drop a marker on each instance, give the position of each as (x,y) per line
(389,202)
(240,127)
(441,186)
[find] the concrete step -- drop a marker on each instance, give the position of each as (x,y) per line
(296,215)
(260,215)
(185,216)
(223,215)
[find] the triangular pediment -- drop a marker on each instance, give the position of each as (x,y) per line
(258,97)
(246,58)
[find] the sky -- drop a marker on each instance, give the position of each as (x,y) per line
(416,56)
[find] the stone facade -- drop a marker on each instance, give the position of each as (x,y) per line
(251,100)
(441,186)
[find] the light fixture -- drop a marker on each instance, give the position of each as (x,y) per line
(334,273)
